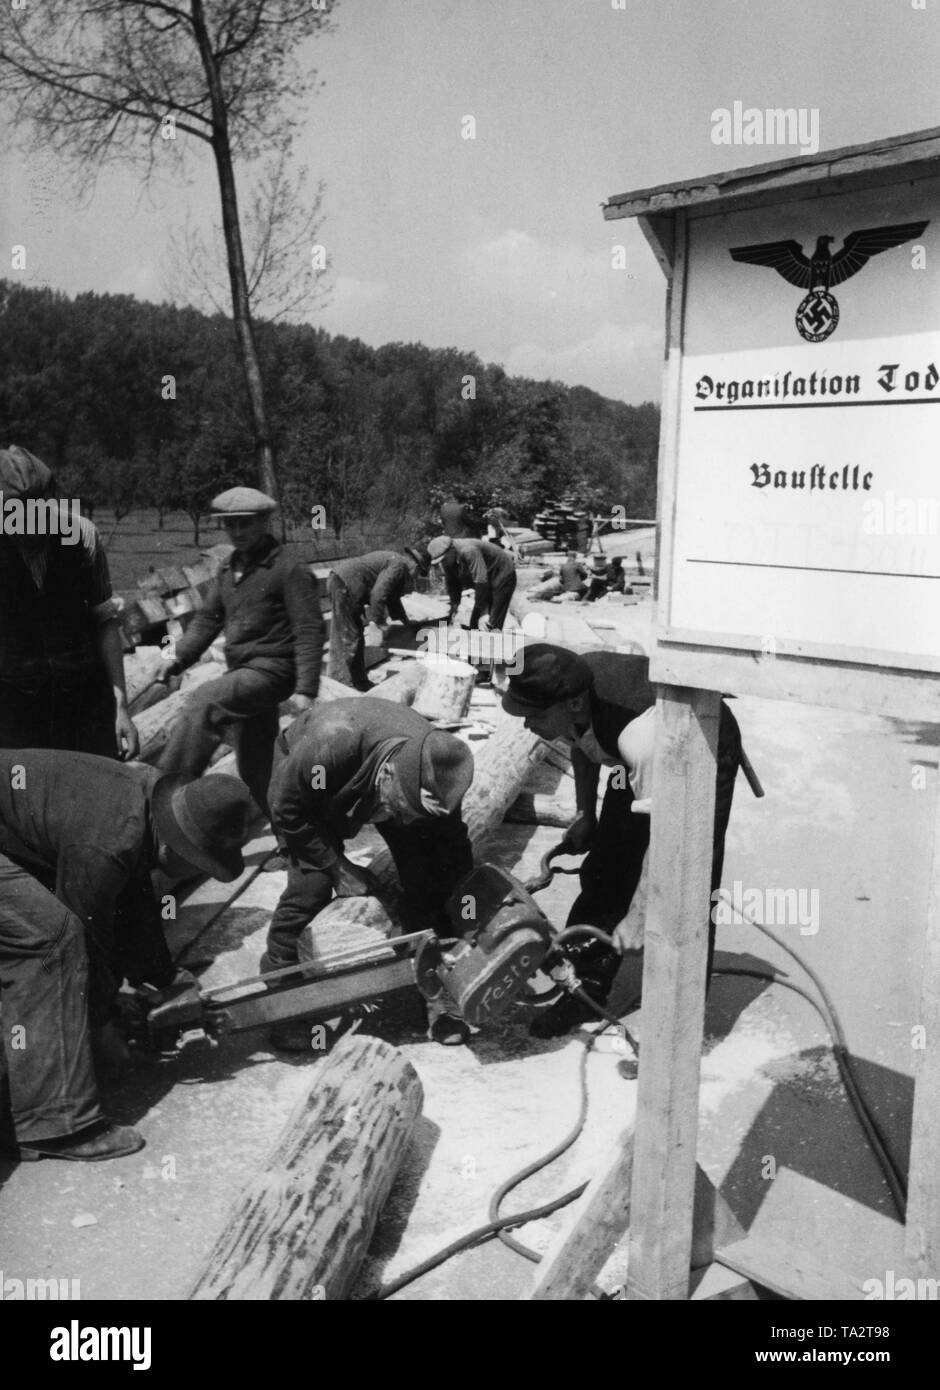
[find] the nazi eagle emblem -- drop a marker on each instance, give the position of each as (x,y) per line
(818,313)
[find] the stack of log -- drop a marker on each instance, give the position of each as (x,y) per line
(167,598)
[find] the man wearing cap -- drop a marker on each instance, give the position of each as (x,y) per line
(268,606)
(602,705)
(459,520)
(79,837)
(357,762)
(368,588)
(61,657)
(487,568)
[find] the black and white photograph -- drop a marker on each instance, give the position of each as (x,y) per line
(470,665)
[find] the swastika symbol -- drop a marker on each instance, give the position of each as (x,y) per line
(817,316)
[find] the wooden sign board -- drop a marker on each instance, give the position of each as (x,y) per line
(799,558)
(799,547)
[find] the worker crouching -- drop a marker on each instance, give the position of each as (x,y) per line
(356,762)
(601,705)
(368,589)
(79,838)
(486,568)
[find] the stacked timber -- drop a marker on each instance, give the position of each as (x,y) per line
(167,598)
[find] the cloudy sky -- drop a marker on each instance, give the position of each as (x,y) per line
(497,244)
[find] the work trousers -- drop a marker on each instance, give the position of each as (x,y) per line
(239,708)
(431,857)
(501,592)
(610,873)
(76,715)
(347,637)
(50,1082)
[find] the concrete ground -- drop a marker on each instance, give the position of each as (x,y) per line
(847,816)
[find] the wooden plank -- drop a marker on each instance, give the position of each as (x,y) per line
(669,429)
(718,1284)
(675,952)
(585,1243)
(869,690)
(922,1227)
(897,155)
(792,1273)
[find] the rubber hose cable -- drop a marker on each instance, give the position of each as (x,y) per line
(475,1237)
(515,1179)
(873,1130)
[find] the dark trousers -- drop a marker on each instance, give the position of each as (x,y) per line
(43,994)
(610,873)
(501,591)
(347,639)
(239,708)
(431,857)
(76,715)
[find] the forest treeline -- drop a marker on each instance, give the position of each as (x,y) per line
(135,404)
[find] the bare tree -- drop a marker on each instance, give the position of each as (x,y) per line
(286,265)
(100,79)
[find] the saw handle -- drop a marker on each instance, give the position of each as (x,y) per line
(547,870)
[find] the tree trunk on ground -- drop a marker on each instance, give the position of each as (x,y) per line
(302,1226)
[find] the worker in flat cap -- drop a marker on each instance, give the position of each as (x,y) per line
(368,590)
(268,606)
(486,568)
(601,705)
(79,839)
(61,655)
(367,761)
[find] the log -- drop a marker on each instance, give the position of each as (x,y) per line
(155,725)
(501,767)
(140,671)
(536,808)
(446,689)
(302,1226)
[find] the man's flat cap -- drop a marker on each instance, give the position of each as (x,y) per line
(22,474)
(242,501)
(549,675)
(438,548)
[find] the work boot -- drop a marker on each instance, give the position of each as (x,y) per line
(595,965)
(104,1139)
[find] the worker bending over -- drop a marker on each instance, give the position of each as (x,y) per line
(61,655)
(368,589)
(269,609)
(348,764)
(487,568)
(79,838)
(602,705)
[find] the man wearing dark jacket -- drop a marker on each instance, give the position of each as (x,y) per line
(79,837)
(602,704)
(488,569)
(459,519)
(357,762)
(61,658)
(368,588)
(268,606)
